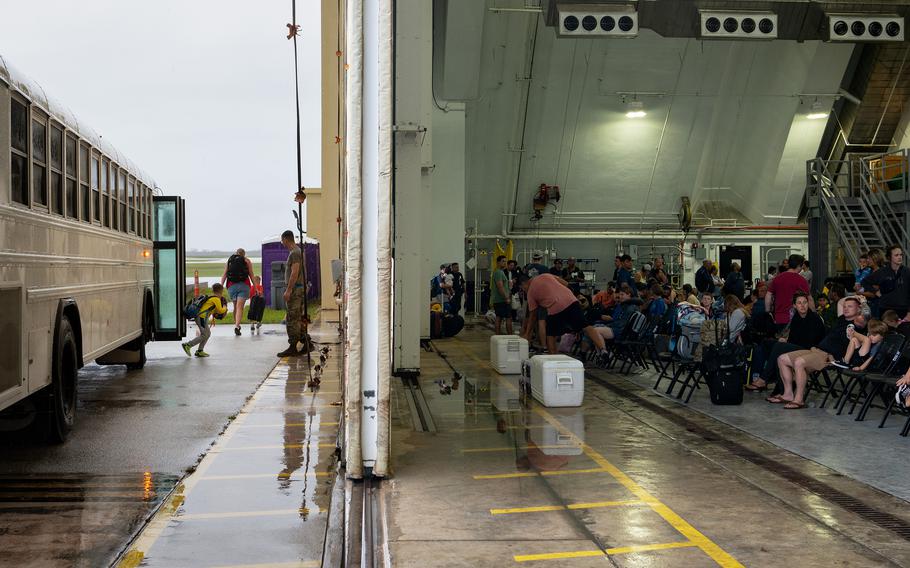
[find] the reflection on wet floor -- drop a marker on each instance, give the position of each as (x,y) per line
(523,483)
(261,495)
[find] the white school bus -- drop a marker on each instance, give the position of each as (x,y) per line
(91,257)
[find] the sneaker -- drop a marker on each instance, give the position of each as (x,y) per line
(258,325)
(186,349)
(201,354)
(252,328)
(840,364)
(237,330)
(289,352)
(903,392)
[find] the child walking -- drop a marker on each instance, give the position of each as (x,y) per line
(257,305)
(214,306)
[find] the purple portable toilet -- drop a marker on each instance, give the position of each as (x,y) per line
(274,252)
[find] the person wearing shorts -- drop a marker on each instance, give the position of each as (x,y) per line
(796,366)
(500,296)
(564,313)
(238,273)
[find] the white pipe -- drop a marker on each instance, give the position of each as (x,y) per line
(353,252)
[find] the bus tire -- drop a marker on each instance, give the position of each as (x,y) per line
(61,396)
(147,323)
(141,362)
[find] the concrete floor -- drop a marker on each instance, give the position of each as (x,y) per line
(261,496)
(630,478)
(137,433)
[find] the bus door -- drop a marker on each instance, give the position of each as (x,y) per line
(170,268)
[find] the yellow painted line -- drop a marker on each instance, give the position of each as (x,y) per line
(706,545)
(290,425)
(559,555)
(510,448)
(275,447)
(295,564)
(574,507)
(541,473)
(598,553)
(244,514)
(493,429)
(267,476)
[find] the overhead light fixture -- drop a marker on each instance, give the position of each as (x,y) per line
(597,20)
(865,28)
(738,25)
(636,109)
(817,112)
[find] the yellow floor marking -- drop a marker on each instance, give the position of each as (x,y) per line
(272,406)
(541,473)
(290,425)
(493,429)
(609,552)
(706,545)
(244,514)
(575,507)
(510,448)
(295,564)
(267,476)
(275,447)
(168,511)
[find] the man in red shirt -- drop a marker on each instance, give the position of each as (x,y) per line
(564,313)
(783,287)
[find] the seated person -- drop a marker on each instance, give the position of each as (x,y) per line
(656,306)
(862,348)
(564,313)
(736,317)
(805,331)
(689,295)
(794,367)
(707,305)
(622,313)
(891,319)
(605,297)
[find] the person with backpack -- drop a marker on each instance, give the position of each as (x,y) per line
(199,309)
(238,273)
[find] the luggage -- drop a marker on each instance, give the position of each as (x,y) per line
(557,380)
(689,337)
(257,308)
(726,385)
(435,325)
(237,270)
(451,325)
(191,309)
(507,352)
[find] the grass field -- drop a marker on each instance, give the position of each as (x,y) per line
(212,270)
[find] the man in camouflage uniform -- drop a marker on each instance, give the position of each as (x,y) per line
(294,296)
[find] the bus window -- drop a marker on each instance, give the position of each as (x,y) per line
(56,170)
(19,152)
(106,193)
(71,199)
(86,195)
(96,192)
(39,162)
(132,205)
(124,218)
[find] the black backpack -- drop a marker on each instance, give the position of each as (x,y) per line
(236,269)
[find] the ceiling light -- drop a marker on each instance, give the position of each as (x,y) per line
(817,112)
(636,109)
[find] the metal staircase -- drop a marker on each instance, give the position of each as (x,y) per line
(864,200)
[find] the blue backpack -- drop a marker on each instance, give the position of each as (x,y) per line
(191,310)
(435,289)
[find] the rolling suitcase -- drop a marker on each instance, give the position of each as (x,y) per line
(257,308)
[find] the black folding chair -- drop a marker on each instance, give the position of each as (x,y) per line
(883,365)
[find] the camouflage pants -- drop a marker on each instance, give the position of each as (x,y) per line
(295,313)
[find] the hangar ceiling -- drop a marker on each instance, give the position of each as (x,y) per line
(726,123)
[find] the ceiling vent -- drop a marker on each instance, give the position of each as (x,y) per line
(738,25)
(597,20)
(846,27)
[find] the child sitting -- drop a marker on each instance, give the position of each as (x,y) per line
(891,319)
(902,397)
(862,348)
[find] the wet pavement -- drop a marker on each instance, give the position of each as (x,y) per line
(137,433)
(630,478)
(261,496)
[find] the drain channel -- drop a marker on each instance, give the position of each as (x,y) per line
(887,521)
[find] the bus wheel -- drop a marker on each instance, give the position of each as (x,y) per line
(139,344)
(61,396)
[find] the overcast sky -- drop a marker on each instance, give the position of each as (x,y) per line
(199,94)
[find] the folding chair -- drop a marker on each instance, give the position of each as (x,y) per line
(883,365)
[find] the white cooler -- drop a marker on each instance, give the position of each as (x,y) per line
(557,380)
(507,352)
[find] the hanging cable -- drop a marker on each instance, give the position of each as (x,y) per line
(300,196)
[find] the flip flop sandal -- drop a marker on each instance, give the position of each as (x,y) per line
(754,388)
(777,399)
(794,405)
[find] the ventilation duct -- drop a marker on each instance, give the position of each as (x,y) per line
(856,28)
(597,20)
(738,25)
